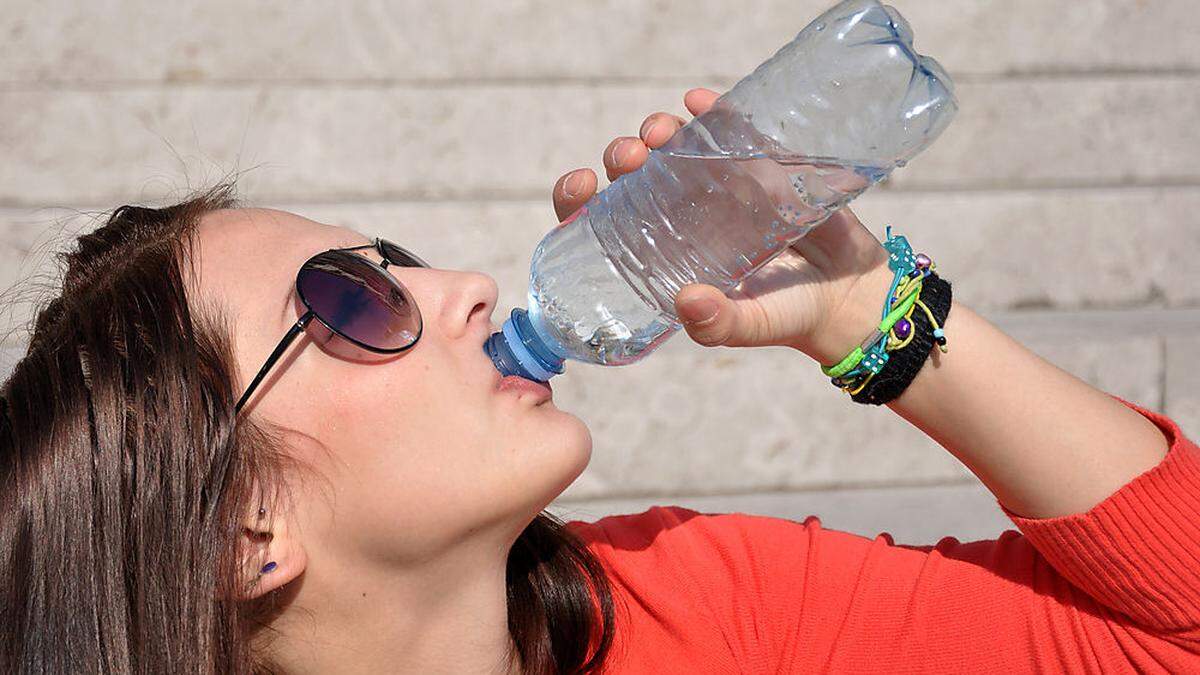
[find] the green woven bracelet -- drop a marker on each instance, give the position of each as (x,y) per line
(853,358)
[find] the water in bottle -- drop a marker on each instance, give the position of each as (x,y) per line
(832,113)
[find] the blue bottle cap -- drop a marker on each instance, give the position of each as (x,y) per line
(517,350)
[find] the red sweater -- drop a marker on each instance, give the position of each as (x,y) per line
(1116,589)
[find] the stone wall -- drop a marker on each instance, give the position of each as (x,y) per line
(1062,203)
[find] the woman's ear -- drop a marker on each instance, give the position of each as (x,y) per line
(270,553)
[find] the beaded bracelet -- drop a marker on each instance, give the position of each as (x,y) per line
(895,330)
(900,260)
(905,364)
(866,352)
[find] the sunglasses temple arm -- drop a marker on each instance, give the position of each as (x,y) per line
(279,350)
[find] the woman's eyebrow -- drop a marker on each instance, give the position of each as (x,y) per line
(370,243)
(288,294)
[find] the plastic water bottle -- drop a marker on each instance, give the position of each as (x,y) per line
(829,115)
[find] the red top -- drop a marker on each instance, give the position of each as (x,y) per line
(1115,589)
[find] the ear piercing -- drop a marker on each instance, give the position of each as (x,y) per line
(269,567)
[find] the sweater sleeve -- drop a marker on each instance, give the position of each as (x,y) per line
(1111,590)
(1138,551)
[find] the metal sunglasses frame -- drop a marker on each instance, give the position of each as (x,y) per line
(392,254)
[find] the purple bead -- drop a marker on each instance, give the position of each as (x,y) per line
(902,328)
(923,261)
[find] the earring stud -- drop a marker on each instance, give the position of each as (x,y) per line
(270,566)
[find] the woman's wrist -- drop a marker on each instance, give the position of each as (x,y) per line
(858,313)
(1044,442)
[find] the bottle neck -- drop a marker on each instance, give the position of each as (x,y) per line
(518,350)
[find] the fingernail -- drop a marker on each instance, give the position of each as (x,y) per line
(573,187)
(646,127)
(621,153)
(703,309)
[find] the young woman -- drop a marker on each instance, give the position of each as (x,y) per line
(244,441)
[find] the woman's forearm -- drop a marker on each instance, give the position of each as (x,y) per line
(1043,441)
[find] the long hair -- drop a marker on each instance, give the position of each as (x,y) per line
(113,427)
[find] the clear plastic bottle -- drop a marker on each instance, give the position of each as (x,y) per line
(829,115)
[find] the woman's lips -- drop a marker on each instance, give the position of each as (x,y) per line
(515,383)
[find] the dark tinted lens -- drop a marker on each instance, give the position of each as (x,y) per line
(396,255)
(353,297)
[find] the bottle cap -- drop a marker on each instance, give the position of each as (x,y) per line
(517,350)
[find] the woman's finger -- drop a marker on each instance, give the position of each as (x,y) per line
(712,319)
(623,155)
(572,191)
(699,100)
(658,128)
(626,154)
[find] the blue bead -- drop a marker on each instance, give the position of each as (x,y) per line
(937,332)
(269,567)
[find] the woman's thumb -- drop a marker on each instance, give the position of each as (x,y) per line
(707,314)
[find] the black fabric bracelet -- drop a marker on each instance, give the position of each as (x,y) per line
(904,364)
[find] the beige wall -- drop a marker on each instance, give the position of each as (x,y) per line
(1062,203)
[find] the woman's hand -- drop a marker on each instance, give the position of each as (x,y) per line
(821,295)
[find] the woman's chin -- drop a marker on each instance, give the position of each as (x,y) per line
(568,435)
(560,453)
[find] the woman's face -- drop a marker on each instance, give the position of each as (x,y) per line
(417,453)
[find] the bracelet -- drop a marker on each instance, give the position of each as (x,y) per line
(906,362)
(902,261)
(895,331)
(866,351)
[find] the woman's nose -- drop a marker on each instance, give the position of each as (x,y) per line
(469,301)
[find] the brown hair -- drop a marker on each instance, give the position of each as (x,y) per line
(112,430)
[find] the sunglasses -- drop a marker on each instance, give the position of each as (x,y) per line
(353,299)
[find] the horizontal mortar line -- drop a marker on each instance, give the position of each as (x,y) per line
(1098,323)
(1138,320)
(484,196)
(542,196)
(1065,323)
(545,82)
(533,82)
(481,197)
(1061,185)
(1114,72)
(861,486)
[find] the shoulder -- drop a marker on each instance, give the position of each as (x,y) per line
(715,551)
(673,540)
(698,588)
(678,523)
